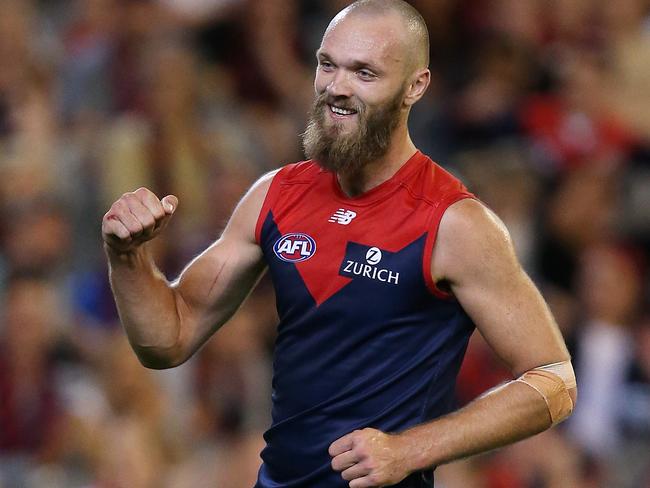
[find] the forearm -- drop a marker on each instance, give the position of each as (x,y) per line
(147,305)
(502,416)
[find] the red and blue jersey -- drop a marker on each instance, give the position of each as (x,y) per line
(365,338)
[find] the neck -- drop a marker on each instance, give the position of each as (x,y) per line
(376,172)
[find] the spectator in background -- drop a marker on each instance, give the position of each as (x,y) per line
(131,444)
(163,148)
(573,125)
(38,238)
(609,290)
(634,413)
(30,404)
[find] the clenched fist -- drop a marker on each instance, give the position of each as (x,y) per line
(135,218)
(370,458)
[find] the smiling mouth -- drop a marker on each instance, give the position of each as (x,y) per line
(341,111)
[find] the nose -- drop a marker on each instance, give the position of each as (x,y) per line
(339,85)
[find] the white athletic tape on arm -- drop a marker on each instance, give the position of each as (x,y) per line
(553,382)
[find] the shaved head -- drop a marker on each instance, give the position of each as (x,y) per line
(372,67)
(415,28)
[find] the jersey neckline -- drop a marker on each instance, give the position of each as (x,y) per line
(383,189)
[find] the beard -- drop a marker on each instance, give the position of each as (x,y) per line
(335,151)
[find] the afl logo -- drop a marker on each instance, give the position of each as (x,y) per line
(294,248)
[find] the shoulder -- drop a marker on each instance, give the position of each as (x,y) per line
(432,183)
(264,193)
(471,219)
(471,240)
(270,183)
(300,172)
(293,172)
(245,215)
(258,190)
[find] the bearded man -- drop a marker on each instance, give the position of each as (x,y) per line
(383,265)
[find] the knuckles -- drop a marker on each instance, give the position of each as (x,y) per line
(130,199)
(361,451)
(143,192)
(133,218)
(367,445)
(374,480)
(119,207)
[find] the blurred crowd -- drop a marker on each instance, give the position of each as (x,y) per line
(540,106)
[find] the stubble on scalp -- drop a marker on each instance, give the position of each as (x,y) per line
(416,40)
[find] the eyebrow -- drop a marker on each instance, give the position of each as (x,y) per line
(354,65)
(322,54)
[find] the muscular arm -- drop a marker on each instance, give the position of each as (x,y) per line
(167,322)
(475,257)
(474,254)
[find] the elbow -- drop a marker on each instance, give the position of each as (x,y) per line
(556,384)
(156,363)
(159,358)
(563,413)
(573,394)
(569,405)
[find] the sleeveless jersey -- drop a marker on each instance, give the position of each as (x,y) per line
(365,338)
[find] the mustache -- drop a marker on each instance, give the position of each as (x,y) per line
(346,103)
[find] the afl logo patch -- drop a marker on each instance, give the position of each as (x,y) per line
(294,248)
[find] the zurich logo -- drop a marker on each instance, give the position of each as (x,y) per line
(373,256)
(294,248)
(364,263)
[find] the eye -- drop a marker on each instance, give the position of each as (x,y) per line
(325,65)
(365,74)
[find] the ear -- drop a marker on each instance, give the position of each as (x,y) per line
(418,85)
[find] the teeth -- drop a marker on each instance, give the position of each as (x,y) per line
(341,111)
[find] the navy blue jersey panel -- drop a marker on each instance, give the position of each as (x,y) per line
(326,478)
(381,352)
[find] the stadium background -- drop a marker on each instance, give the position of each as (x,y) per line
(541,106)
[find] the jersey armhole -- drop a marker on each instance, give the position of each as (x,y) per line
(269,200)
(432,234)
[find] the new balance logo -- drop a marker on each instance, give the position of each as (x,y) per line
(342,216)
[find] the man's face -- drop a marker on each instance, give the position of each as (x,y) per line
(360,86)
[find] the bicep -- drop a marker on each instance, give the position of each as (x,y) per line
(213,286)
(474,254)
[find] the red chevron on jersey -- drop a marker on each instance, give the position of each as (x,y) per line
(307,201)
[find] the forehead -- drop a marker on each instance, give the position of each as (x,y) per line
(375,39)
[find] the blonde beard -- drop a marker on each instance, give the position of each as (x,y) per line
(349,153)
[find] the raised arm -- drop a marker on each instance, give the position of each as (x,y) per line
(166,322)
(474,256)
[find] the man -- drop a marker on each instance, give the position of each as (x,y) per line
(382,264)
